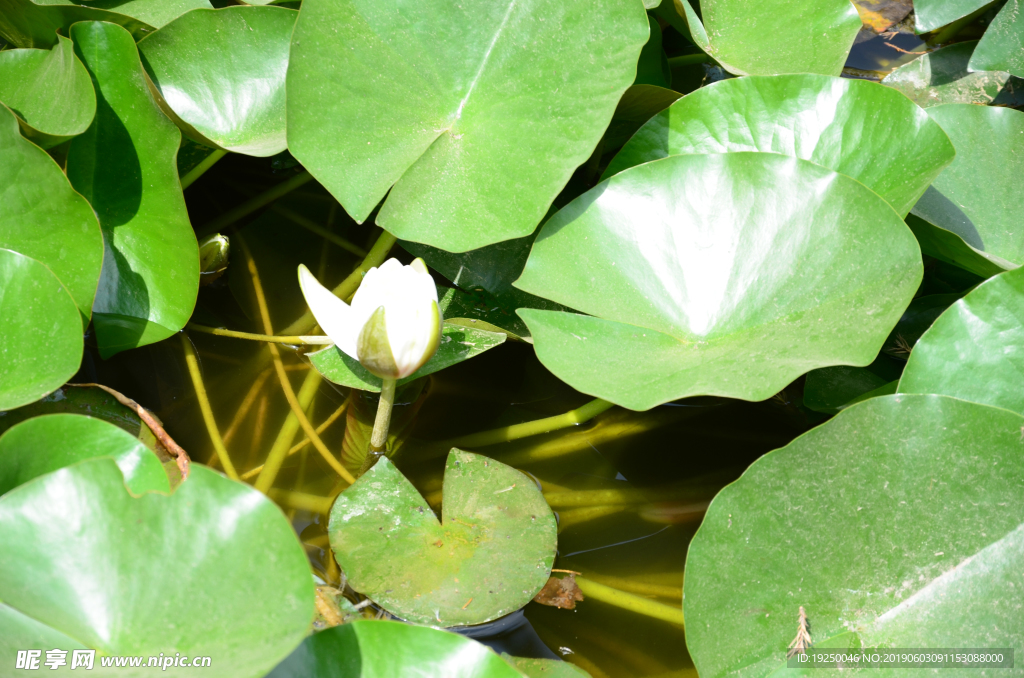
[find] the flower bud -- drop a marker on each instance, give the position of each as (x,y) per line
(392,327)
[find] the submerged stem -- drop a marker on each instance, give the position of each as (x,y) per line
(253,472)
(314,227)
(271,338)
(376,256)
(629,601)
(532,428)
(252,204)
(220,451)
(200,169)
(277,455)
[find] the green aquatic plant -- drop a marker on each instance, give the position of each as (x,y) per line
(643,221)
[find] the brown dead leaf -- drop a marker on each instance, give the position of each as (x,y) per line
(881,15)
(562,593)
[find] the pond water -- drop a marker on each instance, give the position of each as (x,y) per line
(666,463)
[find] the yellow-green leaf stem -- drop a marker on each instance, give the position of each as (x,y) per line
(532,428)
(220,451)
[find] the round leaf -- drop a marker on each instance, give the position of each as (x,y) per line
(49,90)
(91,401)
(899,150)
(975,350)
(972,209)
(125,165)
(473,115)
(728,274)
(932,14)
(942,77)
(42,217)
(776,36)
(221,72)
(1002,46)
(47,443)
(156,13)
(457,344)
(214,569)
(489,556)
(545,668)
(387,649)
(23,23)
(40,333)
(899,523)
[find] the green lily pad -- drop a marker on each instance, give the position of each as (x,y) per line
(898,153)
(975,350)
(156,13)
(50,91)
(639,104)
(92,402)
(545,668)
(214,570)
(53,441)
(775,36)
(652,67)
(899,523)
(942,77)
(41,332)
(831,389)
(221,73)
(387,649)
(441,111)
(1002,46)
(125,166)
(728,274)
(488,556)
(933,14)
(25,23)
(42,217)
(970,214)
(457,344)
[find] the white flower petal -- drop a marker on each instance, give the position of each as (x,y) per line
(334,316)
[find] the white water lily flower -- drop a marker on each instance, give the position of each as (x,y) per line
(392,327)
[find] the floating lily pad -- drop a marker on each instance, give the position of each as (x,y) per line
(489,556)
(470,117)
(1002,46)
(898,153)
(933,14)
(773,36)
(942,77)
(50,91)
(25,23)
(975,350)
(387,649)
(214,569)
(42,217)
(41,331)
(899,523)
(652,67)
(156,13)
(970,214)
(639,104)
(91,402)
(53,441)
(125,166)
(457,344)
(831,389)
(728,274)
(221,73)
(545,668)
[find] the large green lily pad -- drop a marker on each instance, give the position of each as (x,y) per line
(1002,46)
(125,166)
(774,36)
(214,570)
(53,441)
(42,217)
(975,350)
(387,649)
(972,209)
(473,115)
(50,91)
(457,344)
(156,13)
(221,73)
(41,332)
(489,555)
(88,401)
(728,274)
(899,150)
(943,77)
(899,523)
(932,14)
(25,23)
